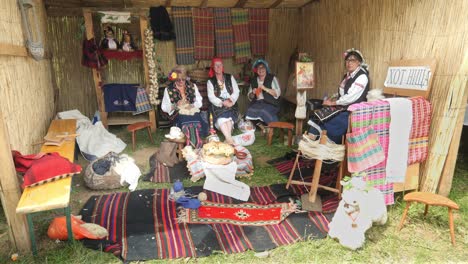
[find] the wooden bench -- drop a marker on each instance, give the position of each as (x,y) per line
(52,195)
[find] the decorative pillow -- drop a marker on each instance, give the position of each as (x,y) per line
(49,168)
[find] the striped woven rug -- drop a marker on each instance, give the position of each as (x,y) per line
(223,33)
(240,24)
(183,27)
(258,26)
(145,222)
(377,115)
(204,33)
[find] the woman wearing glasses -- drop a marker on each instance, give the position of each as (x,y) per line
(182,103)
(353,89)
(264,92)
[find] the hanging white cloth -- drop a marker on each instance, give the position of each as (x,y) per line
(401,116)
(301,109)
(222,179)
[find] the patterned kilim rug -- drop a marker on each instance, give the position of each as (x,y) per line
(145,223)
(239,214)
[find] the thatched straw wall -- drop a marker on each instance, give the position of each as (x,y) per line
(26,94)
(75,82)
(393,30)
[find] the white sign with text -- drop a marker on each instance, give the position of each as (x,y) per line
(408,77)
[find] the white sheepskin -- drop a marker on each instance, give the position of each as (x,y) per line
(128,171)
(375,94)
(358,209)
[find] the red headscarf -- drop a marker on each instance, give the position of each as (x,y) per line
(213,61)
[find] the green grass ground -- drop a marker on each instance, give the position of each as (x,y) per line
(421,240)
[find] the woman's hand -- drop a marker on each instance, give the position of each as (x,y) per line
(329,102)
(227,103)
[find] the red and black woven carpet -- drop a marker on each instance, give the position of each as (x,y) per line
(145,224)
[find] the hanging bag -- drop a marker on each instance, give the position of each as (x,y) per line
(364,149)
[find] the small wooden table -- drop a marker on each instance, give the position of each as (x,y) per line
(52,195)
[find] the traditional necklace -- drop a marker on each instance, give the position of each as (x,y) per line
(220,83)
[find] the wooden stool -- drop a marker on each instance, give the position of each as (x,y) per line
(431,199)
(137,126)
(280,125)
(180,145)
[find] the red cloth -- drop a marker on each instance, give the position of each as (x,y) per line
(24,162)
(122,55)
(203,23)
(419,134)
(49,167)
(237,214)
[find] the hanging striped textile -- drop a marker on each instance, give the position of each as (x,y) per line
(419,134)
(204,33)
(223,33)
(240,24)
(183,26)
(258,26)
(376,115)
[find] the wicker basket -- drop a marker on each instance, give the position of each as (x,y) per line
(199,74)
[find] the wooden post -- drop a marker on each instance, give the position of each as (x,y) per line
(10,194)
(143,26)
(445,184)
(88,19)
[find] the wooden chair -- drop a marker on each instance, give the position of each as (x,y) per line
(281,126)
(137,126)
(431,199)
(314,184)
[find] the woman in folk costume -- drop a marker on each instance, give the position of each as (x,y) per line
(264,92)
(182,103)
(353,89)
(223,93)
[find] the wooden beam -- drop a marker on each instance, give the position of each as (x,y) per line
(240,4)
(168,3)
(88,19)
(445,184)
(13,50)
(276,3)
(10,194)
(308,2)
(203,3)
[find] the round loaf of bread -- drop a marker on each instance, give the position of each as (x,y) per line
(218,153)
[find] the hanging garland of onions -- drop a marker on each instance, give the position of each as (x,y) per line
(153,75)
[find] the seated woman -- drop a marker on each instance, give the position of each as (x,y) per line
(264,92)
(353,89)
(182,103)
(223,93)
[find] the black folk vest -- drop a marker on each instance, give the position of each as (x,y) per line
(217,91)
(350,82)
(268,98)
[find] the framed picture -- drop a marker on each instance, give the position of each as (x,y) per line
(305,75)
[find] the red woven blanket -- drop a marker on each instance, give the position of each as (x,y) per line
(204,33)
(237,214)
